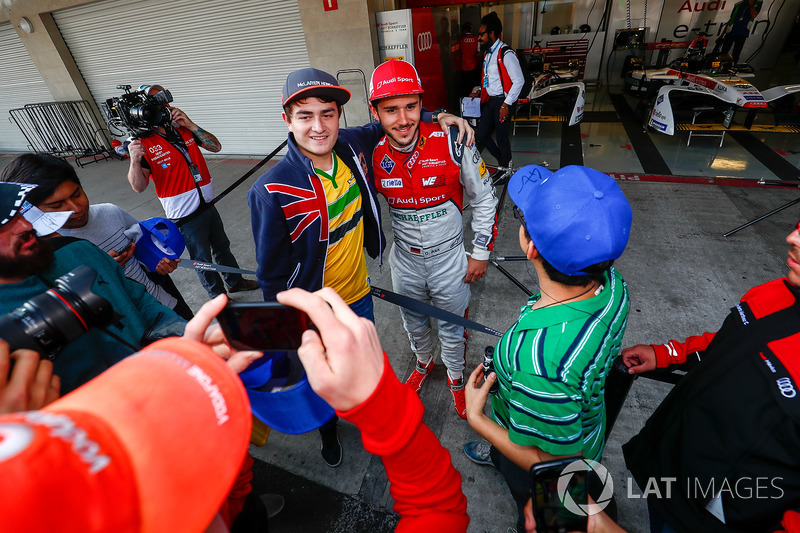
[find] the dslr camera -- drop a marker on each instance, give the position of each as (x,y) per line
(48,322)
(137,112)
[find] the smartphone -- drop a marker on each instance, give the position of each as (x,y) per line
(548,506)
(263,326)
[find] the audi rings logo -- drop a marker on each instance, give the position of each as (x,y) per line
(424,41)
(786,387)
(585,509)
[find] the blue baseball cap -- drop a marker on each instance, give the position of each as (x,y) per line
(576,216)
(160,238)
(281,396)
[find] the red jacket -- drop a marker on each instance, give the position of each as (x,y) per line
(733,418)
(424,484)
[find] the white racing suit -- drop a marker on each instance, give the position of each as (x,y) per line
(425,192)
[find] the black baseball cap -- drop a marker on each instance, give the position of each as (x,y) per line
(12,196)
(313,82)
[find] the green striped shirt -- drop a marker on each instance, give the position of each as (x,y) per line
(552,366)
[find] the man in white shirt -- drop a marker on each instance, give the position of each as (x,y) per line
(501,83)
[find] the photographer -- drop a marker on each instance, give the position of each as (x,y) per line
(170,155)
(30,266)
(551,366)
(104,225)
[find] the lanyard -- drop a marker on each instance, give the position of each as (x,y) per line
(180,144)
(495,46)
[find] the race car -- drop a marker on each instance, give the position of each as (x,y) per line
(547,79)
(696,73)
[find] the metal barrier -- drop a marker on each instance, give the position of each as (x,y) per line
(363,84)
(63,129)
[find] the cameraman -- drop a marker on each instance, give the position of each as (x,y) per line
(29,267)
(170,156)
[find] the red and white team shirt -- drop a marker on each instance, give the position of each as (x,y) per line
(172,176)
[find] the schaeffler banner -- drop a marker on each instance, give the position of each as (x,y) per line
(749,30)
(427,58)
(395,39)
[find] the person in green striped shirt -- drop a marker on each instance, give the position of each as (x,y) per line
(552,364)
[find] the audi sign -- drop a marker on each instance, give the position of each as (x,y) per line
(424,41)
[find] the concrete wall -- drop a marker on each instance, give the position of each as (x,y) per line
(343,39)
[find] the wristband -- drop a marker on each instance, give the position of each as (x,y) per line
(436,113)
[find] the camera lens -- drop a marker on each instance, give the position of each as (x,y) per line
(148,114)
(49,321)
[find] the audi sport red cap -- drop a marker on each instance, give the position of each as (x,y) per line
(394,78)
(313,82)
(154,444)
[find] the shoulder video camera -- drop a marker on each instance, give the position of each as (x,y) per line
(138,112)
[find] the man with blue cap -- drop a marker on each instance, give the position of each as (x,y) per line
(552,364)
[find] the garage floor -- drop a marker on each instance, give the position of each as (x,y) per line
(611,138)
(683,276)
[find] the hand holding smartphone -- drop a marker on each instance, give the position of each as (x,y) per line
(264,326)
(548,507)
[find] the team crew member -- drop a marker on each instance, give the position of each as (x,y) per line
(552,364)
(424,174)
(738,28)
(170,156)
(734,464)
(501,83)
(313,214)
